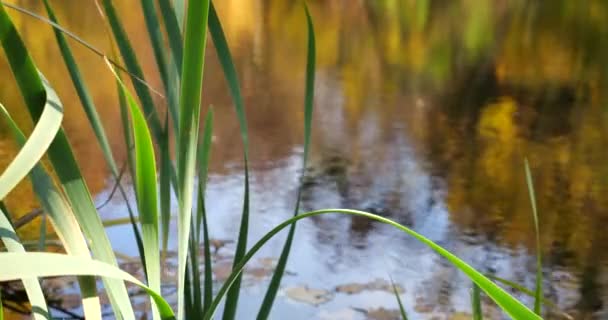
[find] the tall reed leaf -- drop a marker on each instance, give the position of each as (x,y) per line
(275,282)
(146,188)
(476,303)
(61,156)
(44,132)
(172,29)
(510,305)
(179,8)
(63,220)
(232,79)
(31,284)
(203,158)
(530,293)
(165,186)
(189,113)
(1,307)
(401,307)
(130,59)
(538,292)
(13,266)
(162,62)
(82,91)
(88,106)
(128,139)
(223,53)
(193,290)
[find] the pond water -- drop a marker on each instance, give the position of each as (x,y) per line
(424,113)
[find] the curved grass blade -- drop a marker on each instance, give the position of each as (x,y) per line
(31,284)
(1,307)
(62,159)
(63,220)
(530,293)
(275,282)
(130,59)
(15,265)
(189,113)
(39,141)
(509,304)
(146,189)
(204,154)
(223,53)
(476,303)
(538,292)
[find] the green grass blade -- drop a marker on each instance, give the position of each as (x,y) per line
(529,293)
(65,224)
(128,138)
(172,29)
(165,186)
(401,307)
(476,303)
(275,282)
(13,266)
(145,188)
(62,159)
(189,305)
(196,308)
(538,292)
(190,103)
(223,53)
(31,284)
(509,304)
(1,307)
(162,62)
(42,233)
(73,36)
(156,38)
(130,59)
(39,141)
(179,7)
(208,276)
(232,296)
(89,108)
(204,155)
(83,93)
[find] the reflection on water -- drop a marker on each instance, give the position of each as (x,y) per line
(425,111)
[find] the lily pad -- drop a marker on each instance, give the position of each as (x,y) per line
(351,288)
(307,295)
(376,285)
(383,314)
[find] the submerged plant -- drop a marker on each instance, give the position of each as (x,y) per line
(69,204)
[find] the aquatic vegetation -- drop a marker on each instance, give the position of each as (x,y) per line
(69,204)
